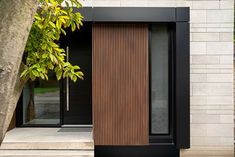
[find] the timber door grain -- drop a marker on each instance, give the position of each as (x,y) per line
(120,84)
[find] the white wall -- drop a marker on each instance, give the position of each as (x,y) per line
(211,30)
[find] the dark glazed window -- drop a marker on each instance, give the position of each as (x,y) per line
(41,102)
(159,46)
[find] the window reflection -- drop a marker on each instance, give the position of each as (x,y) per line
(159,80)
(41,102)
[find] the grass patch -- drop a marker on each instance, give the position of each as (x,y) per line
(45,90)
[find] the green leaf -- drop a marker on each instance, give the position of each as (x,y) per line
(50,66)
(74,78)
(66,64)
(59,75)
(52,24)
(73,26)
(37,17)
(46,77)
(58,24)
(42,76)
(24,73)
(80,75)
(52,57)
(35,73)
(63,31)
(59,50)
(60,1)
(76,67)
(44,46)
(64,17)
(45,55)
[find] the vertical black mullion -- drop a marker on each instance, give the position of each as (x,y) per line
(19,111)
(173,82)
(63,42)
(182,85)
(150,79)
(170,80)
(61,84)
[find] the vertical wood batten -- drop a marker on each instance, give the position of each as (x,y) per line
(120,84)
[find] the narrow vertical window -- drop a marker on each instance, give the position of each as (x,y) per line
(159,79)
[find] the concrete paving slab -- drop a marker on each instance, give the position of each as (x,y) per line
(47,138)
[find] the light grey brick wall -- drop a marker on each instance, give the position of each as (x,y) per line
(211,78)
(211,71)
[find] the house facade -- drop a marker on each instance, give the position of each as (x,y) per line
(158,79)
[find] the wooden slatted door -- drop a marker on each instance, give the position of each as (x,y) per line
(120,84)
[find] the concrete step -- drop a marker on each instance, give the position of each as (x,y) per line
(46,153)
(48,138)
(47,145)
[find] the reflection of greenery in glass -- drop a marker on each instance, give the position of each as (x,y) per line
(45,90)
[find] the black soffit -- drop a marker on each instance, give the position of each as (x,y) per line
(135,14)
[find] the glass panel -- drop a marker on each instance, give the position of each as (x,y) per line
(41,102)
(159,80)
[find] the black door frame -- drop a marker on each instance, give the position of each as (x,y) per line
(65,40)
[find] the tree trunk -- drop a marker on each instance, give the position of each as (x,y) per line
(19,85)
(16,17)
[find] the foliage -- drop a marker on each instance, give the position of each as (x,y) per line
(42,49)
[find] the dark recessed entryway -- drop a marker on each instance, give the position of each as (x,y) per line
(77,110)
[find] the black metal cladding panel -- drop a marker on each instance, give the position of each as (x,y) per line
(182,14)
(182,85)
(86,13)
(136,151)
(135,14)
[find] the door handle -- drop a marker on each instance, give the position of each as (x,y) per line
(67,82)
